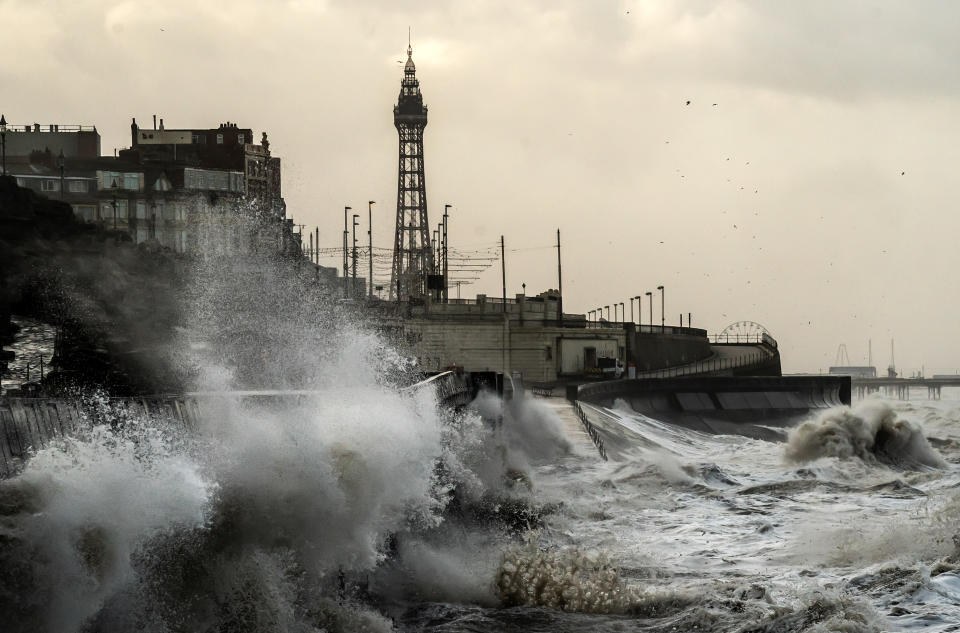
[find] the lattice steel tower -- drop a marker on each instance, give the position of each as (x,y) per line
(412,253)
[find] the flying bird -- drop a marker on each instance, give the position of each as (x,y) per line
(902,173)
(688,102)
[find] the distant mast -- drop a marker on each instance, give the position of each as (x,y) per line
(412,253)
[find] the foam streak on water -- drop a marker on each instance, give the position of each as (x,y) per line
(850,525)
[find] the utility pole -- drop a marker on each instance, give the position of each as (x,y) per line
(446,257)
(354,282)
(370,204)
(650,294)
(312,255)
(559,283)
(345,271)
(503,270)
(316,243)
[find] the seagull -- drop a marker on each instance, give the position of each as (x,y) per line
(902,173)
(688,102)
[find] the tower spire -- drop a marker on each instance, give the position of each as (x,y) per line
(412,253)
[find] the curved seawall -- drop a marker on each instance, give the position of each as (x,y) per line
(723,404)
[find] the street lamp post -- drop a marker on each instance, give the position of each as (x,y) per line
(446,254)
(346,273)
(608,312)
(3,142)
(662,319)
(370,245)
(639,313)
(60,165)
(113,201)
(650,294)
(623,312)
(631,309)
(354,282)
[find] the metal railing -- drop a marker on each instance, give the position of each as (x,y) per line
(706,366)
(591,431)
(47,128)
(741,339)
(542,392)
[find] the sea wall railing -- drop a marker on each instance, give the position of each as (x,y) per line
(707,366)
(591,431)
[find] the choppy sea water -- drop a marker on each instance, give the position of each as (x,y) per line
(850,526)
(362,509)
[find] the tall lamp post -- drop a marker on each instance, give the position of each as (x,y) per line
(60,165)
(639,313)
(354,282)
(370,204)
(3,142)
(346,272)
(608,312)
(631,309)
(623,312)
(650,294)
(113,201)
(662,319)
(446,254)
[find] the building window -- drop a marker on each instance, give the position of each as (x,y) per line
(199,139)
(240,139)
(77,186)
(141,210)
(131,182)
(49,185)
(108,178)
(122,209)
(219,139)
(141,236)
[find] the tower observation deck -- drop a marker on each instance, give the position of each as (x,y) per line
(412,254)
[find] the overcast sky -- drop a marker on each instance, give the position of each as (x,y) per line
(809,184)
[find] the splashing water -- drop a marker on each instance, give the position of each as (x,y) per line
(871,432)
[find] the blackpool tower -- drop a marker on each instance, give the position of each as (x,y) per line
(412,254)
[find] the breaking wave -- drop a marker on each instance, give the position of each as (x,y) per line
(577,581)
(871,432)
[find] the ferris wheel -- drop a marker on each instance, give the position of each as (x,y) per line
(743,332)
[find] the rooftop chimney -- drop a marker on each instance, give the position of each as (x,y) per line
(161,125)
(154,121)
(133,131)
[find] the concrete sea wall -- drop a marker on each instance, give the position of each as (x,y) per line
(30,424)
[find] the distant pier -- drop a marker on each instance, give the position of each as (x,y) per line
(900,387)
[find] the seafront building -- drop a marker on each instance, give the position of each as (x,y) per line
(187,190)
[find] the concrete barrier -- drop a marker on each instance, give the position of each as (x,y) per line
(29,424)
(723,404)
